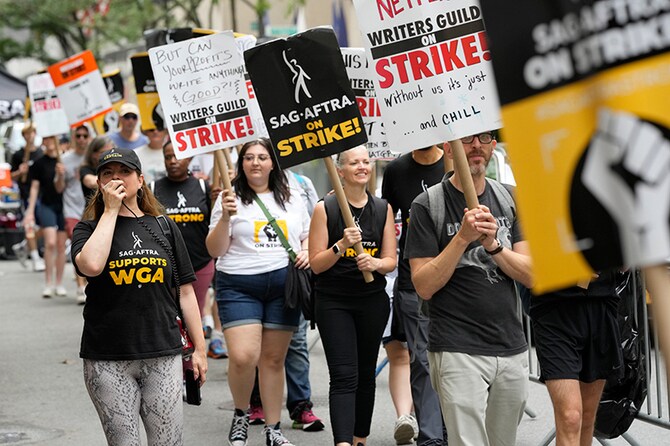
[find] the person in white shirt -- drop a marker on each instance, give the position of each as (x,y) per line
(250,279)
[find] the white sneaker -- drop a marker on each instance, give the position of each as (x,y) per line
(406,429)
(38,265)
(61,291)
(81,296)
(47,292)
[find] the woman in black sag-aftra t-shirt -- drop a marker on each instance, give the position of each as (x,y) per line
(131,344)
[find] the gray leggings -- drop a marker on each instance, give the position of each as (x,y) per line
(122,391)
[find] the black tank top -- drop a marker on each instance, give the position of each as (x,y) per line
(344,278)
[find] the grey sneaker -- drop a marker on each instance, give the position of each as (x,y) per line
(21,252)
(275,437)
(239,429)
(406,429)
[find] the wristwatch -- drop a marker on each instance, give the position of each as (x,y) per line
(336,249)
(496,250)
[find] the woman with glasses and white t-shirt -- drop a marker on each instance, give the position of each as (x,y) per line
(251,273)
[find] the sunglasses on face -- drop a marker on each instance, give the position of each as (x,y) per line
(129,116)
(80,136)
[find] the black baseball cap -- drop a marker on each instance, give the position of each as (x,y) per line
(124,156)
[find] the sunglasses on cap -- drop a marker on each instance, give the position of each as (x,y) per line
(129,116)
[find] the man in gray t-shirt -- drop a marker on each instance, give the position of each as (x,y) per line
(73,197)
(476,347)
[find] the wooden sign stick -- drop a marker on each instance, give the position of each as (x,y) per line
(344,208)
(223,172)
(463,168)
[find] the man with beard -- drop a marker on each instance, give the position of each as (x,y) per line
(404,179)
(465,267)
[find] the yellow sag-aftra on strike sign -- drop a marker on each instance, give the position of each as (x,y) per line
(584,89)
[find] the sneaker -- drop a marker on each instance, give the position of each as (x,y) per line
(406,429)
(38,265)
(275,437)
(61,291)
(303,418)
(21,252)
(256,415)
(207,331)
(239,429)
(47,292)
(81,296)
(217,350)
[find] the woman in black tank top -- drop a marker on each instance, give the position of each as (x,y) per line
(350,313)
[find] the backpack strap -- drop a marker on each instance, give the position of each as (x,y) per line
(203,186)
(437,206)
(504,197)
(165,227)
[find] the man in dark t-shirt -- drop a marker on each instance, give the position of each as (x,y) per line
(21,162)
(404,179)
(477,350)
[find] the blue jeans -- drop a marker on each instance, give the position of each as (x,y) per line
(297,368)
(254,299)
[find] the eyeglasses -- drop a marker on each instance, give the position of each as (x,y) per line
(80,136)
(129,116)
(251,158)
(484,138)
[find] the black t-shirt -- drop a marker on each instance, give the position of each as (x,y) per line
(188,205)
(404,179)
(17,159)
(344,278)
(83,171)
(130,310)
(476,311)
(44,171)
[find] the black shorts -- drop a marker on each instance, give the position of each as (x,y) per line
(578,339)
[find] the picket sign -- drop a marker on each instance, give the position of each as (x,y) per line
(308,104)
(344,208)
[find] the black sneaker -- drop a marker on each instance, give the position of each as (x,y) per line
(239,429)
(275,437)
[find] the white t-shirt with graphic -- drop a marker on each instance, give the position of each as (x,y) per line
(153,163)
(254,246)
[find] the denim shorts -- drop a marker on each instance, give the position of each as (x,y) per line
(255,299)
(51,216)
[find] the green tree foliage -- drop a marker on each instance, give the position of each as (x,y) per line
(29,23)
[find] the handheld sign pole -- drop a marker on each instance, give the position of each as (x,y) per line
(372,182)
(658,284)
(344,208)
(461,166)
(448,163)
(229,159)
(216,178)
(223,172)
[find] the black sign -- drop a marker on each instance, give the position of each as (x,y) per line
(305,95)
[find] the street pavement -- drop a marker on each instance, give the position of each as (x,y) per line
(43,400)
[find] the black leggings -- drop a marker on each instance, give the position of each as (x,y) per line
(351,330)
